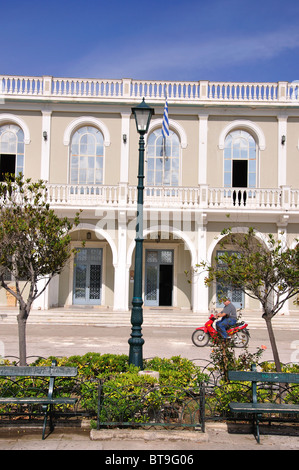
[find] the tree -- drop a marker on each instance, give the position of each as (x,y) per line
(34,245)
(266,271)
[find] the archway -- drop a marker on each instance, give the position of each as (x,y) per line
(216,290)
(168,252)
(88,278)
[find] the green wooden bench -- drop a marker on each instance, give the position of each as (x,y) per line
(47,402)
(255,408)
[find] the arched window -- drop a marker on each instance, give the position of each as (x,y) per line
(11,150)
(163,159)
(87,156)
(240,168)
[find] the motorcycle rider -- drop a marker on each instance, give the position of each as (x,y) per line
(228,317)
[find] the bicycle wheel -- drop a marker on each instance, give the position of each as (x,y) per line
(200,338)
(240,339)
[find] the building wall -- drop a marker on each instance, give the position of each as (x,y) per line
(191,227)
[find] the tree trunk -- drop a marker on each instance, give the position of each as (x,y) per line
(268,321)
(225,359)
(22,322)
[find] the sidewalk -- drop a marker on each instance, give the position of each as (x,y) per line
(218,436)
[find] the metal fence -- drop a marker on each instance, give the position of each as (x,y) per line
(141,404)
(152,405)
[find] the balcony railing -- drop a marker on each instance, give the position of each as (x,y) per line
(203,196)
(128,89)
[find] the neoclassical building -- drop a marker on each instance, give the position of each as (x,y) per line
(231,159)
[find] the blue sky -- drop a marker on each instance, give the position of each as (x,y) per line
(223,40)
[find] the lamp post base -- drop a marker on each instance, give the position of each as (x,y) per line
(136,341)
(135,353)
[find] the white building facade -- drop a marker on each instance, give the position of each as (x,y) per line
(231,160)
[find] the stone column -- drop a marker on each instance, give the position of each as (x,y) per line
(200,293)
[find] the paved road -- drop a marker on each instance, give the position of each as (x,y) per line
(66,340)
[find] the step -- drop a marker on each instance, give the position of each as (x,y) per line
(154,318)
(148,320)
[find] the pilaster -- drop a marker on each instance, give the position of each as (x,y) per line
(125,142)
(45,147)
(282,149)
(203,148)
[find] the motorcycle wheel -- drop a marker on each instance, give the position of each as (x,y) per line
(240,339)
(200,338)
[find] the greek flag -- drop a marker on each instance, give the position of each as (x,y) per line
(165,123)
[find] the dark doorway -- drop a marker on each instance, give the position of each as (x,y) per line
(7,165)
(158,283)
(165,284)
(240,181)
(240,171)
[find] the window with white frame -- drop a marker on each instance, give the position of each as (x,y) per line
(11,150)
(163,159)
(240,165)
(87,156)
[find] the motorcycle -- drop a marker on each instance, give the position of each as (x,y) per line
(238,333)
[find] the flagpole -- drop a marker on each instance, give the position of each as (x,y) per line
(165,132)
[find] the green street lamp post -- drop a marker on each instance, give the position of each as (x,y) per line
(142,114)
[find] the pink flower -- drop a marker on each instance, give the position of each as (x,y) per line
(263,346)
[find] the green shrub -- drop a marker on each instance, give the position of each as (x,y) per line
(176,371)
(92,365)
(129,396)
(126,397)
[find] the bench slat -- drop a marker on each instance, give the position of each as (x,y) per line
(38,400)
(278,377)
(32,371)
(264,407)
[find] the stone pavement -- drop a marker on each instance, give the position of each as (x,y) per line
(218,436)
